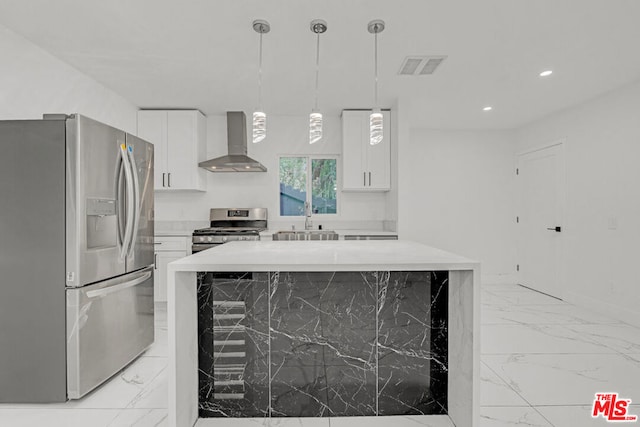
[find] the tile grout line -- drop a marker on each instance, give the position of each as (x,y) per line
(517,393)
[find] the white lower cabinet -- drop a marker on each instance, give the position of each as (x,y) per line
(167,249)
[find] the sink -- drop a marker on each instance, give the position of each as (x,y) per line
(306,235)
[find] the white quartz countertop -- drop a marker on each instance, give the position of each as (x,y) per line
(341,255)
(341,232)
(172,233)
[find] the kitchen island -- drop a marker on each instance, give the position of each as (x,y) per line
(324,329)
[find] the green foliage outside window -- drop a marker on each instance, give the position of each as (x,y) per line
(295,178)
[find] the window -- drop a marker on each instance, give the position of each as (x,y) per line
(300,183)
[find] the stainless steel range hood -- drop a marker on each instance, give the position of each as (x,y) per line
(237,159)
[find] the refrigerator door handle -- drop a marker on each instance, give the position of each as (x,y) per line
(128,232)
(136,200)
(98,293)
(121,204)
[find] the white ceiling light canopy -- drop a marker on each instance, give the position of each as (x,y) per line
(318,26)
(546,73)
(376,131)
(261,27)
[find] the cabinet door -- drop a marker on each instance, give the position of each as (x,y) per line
(186,135)
(353,157)
(182,153)
(163,258)
(152,127)
(379,159)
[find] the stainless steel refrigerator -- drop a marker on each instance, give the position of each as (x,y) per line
(76,255)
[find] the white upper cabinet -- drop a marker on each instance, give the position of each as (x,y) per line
(365,167)
(179,138)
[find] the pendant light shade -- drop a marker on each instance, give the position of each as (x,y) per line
(259,126)
(376,131)
(315,127)
(376,128)
(259,117)
(318,26)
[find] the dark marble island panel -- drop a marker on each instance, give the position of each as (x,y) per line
(322,344)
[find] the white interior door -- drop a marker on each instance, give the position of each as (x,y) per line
(540,177)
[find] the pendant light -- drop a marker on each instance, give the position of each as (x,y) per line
(376,131)
(318,26)
(259,117)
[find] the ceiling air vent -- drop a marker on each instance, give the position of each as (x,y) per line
(420,65)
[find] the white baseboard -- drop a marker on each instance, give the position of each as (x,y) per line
(498,279)
(625,315)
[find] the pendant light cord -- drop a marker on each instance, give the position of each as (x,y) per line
(260,76)
(375,55)
(317,67)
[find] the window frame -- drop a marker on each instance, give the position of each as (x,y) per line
(308,188)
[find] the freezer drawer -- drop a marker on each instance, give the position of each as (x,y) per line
(108,325)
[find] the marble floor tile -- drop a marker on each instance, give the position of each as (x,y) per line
(502,287)
(137,380)
(571,416)
(264,422)
(550,314)
(490,298)
(529,338)
(495,392)
(511,417)
(57,417)
(140,418)
(155,394)
(121,391)
(518,297)
(395,421)
(52,417)
(566,379)
(632,357)
(620,337)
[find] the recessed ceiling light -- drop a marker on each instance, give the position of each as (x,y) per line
(487,108)
(546,73)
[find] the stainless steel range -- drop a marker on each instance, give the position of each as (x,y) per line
(228,225)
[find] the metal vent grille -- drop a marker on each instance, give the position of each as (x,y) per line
(420,65)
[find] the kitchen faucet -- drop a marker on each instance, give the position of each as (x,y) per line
(307,220)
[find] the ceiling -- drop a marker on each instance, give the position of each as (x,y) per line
(204,53)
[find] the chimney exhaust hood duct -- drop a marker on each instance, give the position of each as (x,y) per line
(237,159)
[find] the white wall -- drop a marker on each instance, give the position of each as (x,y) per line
(285,135)
(456,192)
(33,82)
(602,146)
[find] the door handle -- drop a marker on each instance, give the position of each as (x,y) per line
(163,174)
(129,202)
(369,179)
(121,203)
(169,179)
(136,199)
(111,288)
(557,229)
(364,179)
